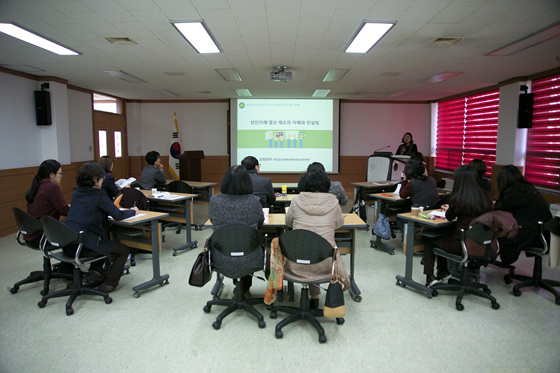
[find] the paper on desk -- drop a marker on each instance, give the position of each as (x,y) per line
(130,218)
(166,195)
(437,214)
(396,192)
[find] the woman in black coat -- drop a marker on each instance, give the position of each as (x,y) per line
(408,146)
(89,208)
(528,207)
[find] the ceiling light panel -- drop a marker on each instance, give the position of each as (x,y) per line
(229,75)
(367,36)
(321,93)
(440,77)
(198,36)
(528,41)
(124,76)
(243,92)
(31,38)
(335,75)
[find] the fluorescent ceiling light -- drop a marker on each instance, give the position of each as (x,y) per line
(369,34)
(166,92)
(440,77)
(335,75)
(321,93)
(124,76)
(31,38)
(229,75)
(243,92)
(528,41)
(197,36)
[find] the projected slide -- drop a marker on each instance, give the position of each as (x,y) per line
(285,135)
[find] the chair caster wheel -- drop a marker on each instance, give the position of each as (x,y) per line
(262,324)
(435,293)
(42,303)
(216,325)
(174,253)
(207,308)
(517,292)
(487,291)
(322,338)
(136,295)
(278,334)
(273,315)
(340,320)
(108,300)
(459,306)
(42,292)
(15,290)
(69,312)
(133,263)
(558,301)
(507,279)
(178,231)
(495,305)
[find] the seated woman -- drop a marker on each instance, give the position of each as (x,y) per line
(528,207)
(108,185)
(421,189)
(90,208)
(45,197)
(336,187)
(236,205)
(316,210)
(467,202)
(152,175)
(408,146)
(480,167)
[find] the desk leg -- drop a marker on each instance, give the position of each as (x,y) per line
(407,279)
(354,290)
(157,278)
(377,242)
(190,244)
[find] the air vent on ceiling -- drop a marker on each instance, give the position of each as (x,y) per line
(446,41)
(120,40)
(390,74)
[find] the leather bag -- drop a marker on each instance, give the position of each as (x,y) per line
(334,301)
(201,272)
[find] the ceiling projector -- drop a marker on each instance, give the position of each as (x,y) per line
(281,75)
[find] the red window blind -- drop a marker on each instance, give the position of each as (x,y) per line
(542,162)
(467,128)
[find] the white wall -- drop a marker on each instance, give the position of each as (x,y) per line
(510,148)
(80,121)
(365,127)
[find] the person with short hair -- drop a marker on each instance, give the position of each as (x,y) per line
(44,197)
(90,207)
(421,189)
(528,207)
(236,205)
(480,167)
(336,187)
(262,186)
(408,146)
(109,185)
(153,174)
(316,210)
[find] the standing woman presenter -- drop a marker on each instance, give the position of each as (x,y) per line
(408,146)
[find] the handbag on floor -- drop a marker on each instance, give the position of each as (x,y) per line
(201,272)
(382,228)
(334,301)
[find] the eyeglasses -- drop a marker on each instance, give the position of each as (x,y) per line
(59,173)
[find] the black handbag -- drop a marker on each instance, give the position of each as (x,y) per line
(201,272)
(334,301)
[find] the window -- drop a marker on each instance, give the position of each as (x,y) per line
(542,162)
(118,144)
(106,103)
(102,143)
(467,128)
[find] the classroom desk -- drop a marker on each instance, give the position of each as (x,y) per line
(363,188)
(352,223)
(204,189)
(180,200)
(411,221)
(379,198)
(141,218)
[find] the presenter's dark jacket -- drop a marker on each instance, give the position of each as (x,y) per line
(408,150)
(262,188)
(109,186)
(528,207)
(88,212)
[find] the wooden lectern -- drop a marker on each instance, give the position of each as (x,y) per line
(190,165)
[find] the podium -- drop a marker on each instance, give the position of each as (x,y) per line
(190,165)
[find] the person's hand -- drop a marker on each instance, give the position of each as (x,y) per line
(135,209)
(444,207)
(160,166)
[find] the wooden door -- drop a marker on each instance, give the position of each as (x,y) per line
(110,138)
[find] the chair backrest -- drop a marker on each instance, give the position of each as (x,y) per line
(237,250)
(27,225)
(378,168)
(57,233)
(480,243)
(132,197)
(305,247)
(179,186)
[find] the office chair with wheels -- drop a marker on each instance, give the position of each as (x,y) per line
(131,197)
(306,248)
(28,225)
(236,250)
(480,240)
(57,236)
(176,186)
(536,279)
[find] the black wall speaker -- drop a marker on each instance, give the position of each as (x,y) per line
(525,113)
(43,108)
